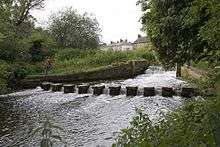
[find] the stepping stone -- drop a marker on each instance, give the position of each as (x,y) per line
(187,92)
(167,92)
(46,86)
(57,87)
(131,91)
(83,89)
(149,91)
(114,91)
(98,90)
(69,88)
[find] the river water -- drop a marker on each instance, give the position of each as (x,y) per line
(88,120)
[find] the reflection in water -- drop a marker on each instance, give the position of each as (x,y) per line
(88,120)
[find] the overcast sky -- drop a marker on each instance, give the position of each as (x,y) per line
(117,18)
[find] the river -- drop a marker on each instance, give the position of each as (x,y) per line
(88,120)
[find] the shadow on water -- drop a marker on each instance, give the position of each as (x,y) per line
(8,115)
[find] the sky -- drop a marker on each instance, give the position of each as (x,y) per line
(118,19)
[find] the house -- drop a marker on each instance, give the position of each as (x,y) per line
(124,45)
(140,42)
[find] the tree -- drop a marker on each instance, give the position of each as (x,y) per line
(23,7)
(163,22)
(18,11)
(205,16)
(16,24)
(71,29)
(177,28)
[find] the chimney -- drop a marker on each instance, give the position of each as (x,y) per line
(139,36)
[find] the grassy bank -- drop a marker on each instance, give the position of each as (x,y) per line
(67,61)
(196,124)
(94,59)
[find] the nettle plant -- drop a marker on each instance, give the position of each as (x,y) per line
(47,134)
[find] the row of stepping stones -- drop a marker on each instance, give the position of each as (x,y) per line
(116,90)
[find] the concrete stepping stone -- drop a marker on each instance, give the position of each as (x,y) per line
(131,91)
(167,92)
(46,86)
(83,89)
(188,92)
(149,91)
(114,90)
(98,90)
(56,87)
(69,88)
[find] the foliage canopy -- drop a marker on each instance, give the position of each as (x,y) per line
(71,29)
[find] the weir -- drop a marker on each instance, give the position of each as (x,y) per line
(114,72)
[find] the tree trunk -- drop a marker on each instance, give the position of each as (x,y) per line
(178,70)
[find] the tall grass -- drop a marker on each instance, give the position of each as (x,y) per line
(73,60)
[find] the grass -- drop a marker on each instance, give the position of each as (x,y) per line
(68,61)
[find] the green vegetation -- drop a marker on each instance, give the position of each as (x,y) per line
(70,29)
(73,61)
(24,47)
(183,31)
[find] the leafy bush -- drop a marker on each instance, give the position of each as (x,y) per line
(3,86)
(10,73)
(195,125)
(5,72)
(35,68)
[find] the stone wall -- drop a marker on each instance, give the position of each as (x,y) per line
(113,72)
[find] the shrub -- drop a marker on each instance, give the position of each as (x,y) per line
(10,73)
(196,124)
(5,73)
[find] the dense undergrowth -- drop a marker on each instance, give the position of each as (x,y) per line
(196,124)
